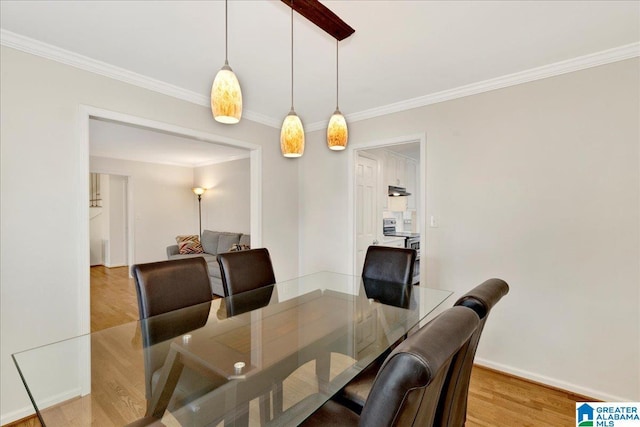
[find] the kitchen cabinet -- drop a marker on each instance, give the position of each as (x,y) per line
(400,171)
(396,173)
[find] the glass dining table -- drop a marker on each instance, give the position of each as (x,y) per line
(271,356)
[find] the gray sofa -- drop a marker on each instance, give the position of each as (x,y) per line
(213,243)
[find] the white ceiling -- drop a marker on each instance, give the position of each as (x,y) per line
(127,142)
(401,50)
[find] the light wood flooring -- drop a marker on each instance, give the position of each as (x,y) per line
(495,399)
(113,297)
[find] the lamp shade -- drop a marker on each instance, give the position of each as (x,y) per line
(226,97)
(292,136)
(198,191)
(337,132)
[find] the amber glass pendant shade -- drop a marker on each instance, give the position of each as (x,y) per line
(337,132)
(226,97)
(292,136)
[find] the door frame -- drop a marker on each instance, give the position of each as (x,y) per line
(378,203)
(86,113)
(352,152)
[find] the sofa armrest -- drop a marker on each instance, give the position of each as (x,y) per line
(172,250)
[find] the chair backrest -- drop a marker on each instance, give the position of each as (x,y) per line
(170,285)
(243,271)
(408,385)
(389,264)
(388,293)
(164,287)
(452,409)
(244,302)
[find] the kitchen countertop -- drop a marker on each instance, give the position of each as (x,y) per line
(405,234)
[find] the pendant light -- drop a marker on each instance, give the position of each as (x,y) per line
(337,132)
(292,132)
(226,96)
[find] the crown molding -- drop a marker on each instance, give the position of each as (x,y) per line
(54,53)
(575,64)
(35,47)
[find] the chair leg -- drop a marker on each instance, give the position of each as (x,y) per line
(264,403)
(278,405)
(323,368)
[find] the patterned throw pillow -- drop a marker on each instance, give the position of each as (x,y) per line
(189,244)
(238,247)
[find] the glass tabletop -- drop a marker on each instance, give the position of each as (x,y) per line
(266,357)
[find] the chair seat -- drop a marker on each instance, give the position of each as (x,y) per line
(332,414)
(356,392)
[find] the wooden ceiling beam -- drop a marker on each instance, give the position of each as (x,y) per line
(324,18)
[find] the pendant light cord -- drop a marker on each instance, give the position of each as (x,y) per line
(226,34)
(291,55)
(337,74)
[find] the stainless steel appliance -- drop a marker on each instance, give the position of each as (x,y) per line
(411,241)
(398,191)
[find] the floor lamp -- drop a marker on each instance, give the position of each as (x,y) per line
(198,191)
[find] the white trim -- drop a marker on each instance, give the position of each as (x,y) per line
(351,177)
(568,66)
(28,410)
(131,223)
(45,50)
(255,202)
(54,53)
(84,259)
(563,385)
(114,265)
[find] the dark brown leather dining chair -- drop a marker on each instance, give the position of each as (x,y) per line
(170,285)
(387,270)
(407,388)
(243,271)
(453,405)
(174,297)
(389,264)
(452,410)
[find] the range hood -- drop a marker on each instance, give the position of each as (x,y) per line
(397,191)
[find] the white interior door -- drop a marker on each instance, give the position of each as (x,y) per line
(366,207)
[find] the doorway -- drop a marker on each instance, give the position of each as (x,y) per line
(397,162)
(87,114)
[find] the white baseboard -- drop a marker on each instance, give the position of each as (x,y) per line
(29,410)
(606,397)
(17,415)
(114,265)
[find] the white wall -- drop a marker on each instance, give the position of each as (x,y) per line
(117,255)
(162,203)
(225,205)
(538,184)
(40,149)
